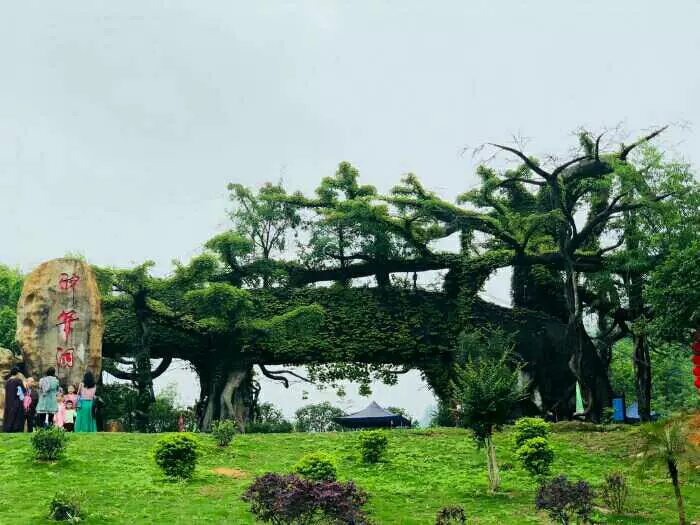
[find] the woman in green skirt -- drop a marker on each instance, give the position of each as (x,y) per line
(85,421)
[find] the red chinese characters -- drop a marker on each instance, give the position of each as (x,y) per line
(66,319)
(64,357)
(68,283)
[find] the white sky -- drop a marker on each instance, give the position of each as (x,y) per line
(122,122)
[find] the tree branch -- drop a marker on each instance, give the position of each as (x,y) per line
(276,375)
(626,150)
(528,162)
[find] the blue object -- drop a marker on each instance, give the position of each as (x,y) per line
(633,413)
(618,405)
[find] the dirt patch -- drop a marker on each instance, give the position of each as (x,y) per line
(230,472)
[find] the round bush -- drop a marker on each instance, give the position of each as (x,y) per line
(176,454)
(528,428)
(317,466)
(536,455)
(224,431)
(373,444)
(65,506)
(49,444)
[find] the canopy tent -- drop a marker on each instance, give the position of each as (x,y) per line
(373,416)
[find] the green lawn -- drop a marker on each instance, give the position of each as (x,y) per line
(424,471)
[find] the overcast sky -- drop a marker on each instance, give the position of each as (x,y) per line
(122,122)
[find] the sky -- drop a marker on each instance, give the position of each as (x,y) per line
(121,123)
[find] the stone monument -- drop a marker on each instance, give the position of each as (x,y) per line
(59,321)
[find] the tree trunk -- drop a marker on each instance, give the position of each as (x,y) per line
(585,363)
(494,476)
(142,362)
(642,369)
(673,471)
(233,399)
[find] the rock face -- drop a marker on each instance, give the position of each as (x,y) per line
(7,361)
(59,321)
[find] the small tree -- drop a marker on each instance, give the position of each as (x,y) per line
(486,389)
(666,444)
(318,417)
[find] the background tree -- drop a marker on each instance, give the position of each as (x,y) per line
(264,219)
(318,417)
(10,290)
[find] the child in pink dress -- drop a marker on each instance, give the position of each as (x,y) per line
(59,418)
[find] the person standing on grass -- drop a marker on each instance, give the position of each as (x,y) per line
(85,420)
(31,399)
(13,415)
(48,405)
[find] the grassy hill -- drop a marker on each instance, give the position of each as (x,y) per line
(425,470)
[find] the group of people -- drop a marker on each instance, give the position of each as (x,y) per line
(73,409)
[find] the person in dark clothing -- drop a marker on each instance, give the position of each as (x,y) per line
(13,416)
(31,399)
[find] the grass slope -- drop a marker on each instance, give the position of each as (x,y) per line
(424,471)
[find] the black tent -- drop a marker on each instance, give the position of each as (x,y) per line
(373,416)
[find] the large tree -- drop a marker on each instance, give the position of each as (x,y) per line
(568,229)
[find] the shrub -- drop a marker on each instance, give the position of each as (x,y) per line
(317,466)
(286,498)
(451,515)
(283,427)
(176,454)
(565,501)
(615,492)
(49,444)
(65,506)
(536,455)
(528,428)
(224,431)
(373,444)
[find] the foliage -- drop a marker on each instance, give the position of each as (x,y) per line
(671,392)
(536,455)
(263,218)
(453,515)
(318,418)
(283,427)
(120,404)
(65,506)
(267,413)
(399,412)
(529,427)
(317,466)
(285,498)
(224,431)
(176,454)
(674,295)
(443,415)
(49,444)
(10,291)
(163,414)
(373,445)
(615,492)
(565,501)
